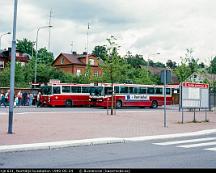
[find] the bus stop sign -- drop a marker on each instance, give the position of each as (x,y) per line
(168,76)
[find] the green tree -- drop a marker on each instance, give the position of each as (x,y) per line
(25,46)
(45,57)
(171,64)
(183,71)
(100,51)
(212,68)
(135,61)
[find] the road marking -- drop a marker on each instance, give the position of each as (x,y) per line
(197,145)
(211,149)
(105,140)
(185,141)
(168,136)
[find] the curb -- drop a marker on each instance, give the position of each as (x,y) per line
(95,141)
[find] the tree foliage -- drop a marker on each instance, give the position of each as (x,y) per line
(118,69)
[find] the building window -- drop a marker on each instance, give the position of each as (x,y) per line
(91,61)
(1,64)
(96,74)
(62,61)
(78,72)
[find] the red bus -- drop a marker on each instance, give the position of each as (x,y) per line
(63,94)
(132,95)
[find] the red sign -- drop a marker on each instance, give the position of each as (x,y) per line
(195,85)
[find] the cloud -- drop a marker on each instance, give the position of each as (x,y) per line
(141,26)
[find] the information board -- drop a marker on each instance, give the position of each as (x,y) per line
(194,95)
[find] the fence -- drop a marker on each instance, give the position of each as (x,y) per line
(212,101)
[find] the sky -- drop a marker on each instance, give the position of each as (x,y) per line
(144,27)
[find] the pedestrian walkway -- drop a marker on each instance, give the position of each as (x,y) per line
(57,126)
(202,143)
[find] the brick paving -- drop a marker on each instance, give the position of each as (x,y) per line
(36,127)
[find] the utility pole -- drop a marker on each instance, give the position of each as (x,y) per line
(50,18)
(87,34)
(72,46)
(12,71)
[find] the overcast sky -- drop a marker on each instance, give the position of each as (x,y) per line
(140,26)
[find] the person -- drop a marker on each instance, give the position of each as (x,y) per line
(7,99)
(16,101)
(19,95)
(30,99)
(3,100)
(38,99)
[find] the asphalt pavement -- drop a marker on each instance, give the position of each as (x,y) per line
(181,152)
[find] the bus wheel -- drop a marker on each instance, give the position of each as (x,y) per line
(154,104)
(118,104)
(68,103)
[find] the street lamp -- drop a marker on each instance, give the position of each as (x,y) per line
(148,60)
(49,26)
(2,36)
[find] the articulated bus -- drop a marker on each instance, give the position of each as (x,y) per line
(63,94)
(126,95)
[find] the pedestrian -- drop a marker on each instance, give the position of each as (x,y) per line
(16,101)
(7,97)
(30,99)
(3,100)
(19,95)
(38,99)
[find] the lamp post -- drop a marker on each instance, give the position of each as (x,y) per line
(12,71)
(2,36)
(35,79)
(148,62)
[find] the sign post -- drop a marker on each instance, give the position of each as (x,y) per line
(194,96)
(165,78)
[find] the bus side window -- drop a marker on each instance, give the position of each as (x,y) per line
(76,89)
(130,90)
(150,91)
(133,90)
(116,89)
(85,89)
(56,90)
(142,90)
(108,90)
(158,90)
(167,90)
(123,89)
(66,89)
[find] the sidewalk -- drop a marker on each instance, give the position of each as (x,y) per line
(39,127)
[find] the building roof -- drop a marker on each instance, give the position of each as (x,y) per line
(74,58)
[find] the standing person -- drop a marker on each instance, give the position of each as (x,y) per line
(6,95)
(3,100)
(19,95)
(38,99)
(30,99)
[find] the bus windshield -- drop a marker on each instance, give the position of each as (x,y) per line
(46,90)
(96,91)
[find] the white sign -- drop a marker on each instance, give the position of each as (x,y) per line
(136,97)
(195,95)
